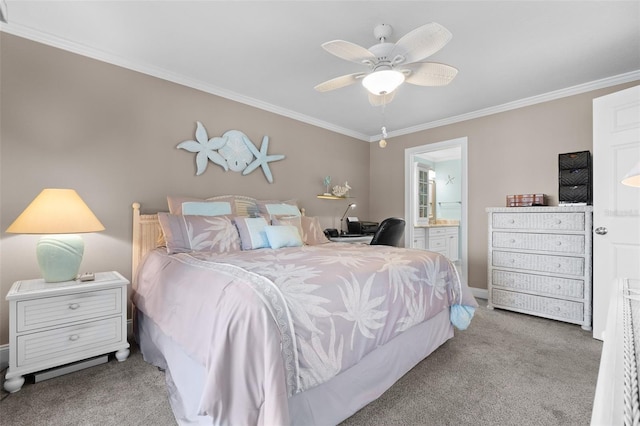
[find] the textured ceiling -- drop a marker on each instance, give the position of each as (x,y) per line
(268,53)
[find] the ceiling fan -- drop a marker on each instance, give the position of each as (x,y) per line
(391,64)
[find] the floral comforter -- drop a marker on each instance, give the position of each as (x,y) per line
(267,324)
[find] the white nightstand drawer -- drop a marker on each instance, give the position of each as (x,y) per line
(559,243)
(67,344)
(542,221)
(539,262)
(46,312)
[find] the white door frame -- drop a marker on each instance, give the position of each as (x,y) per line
(410,189)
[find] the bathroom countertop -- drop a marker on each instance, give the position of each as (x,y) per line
(439,223)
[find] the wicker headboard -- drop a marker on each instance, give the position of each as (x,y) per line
(146,233)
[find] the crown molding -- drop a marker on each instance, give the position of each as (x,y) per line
(80,49)
(545,97)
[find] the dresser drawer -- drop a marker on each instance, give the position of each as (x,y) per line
(540,221)
(559,243)
(70,343)
(550,286)
(46,312)
(538,262)
(436,244)
(442,231)
(538,305)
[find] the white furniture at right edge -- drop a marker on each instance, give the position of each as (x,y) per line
(540,261)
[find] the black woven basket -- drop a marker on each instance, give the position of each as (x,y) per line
(574,160)
(575,194)
(571,177)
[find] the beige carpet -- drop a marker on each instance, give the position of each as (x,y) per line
(506,369)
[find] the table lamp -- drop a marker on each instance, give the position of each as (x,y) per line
(61,214)
(350,206)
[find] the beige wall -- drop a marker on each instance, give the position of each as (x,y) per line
(111,134)
(514,152)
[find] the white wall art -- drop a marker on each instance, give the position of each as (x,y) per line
(232,151)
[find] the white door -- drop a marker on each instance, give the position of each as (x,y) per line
(616,207)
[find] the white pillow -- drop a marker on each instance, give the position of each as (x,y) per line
(283,236)
(252,232)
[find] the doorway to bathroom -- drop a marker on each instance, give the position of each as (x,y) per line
(436,200)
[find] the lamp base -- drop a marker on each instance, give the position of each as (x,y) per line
(59,256)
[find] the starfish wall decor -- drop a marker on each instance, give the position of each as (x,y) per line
(233,150)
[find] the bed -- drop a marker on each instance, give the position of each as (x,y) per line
(306,333)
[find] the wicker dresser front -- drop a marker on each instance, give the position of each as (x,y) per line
(540,261)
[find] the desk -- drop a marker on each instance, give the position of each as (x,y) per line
(353,239)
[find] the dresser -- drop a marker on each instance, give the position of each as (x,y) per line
(540,262)
(52,324)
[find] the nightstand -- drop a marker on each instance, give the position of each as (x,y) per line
(52,324)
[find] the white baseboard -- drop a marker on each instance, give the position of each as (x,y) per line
(480,293)
(4,349)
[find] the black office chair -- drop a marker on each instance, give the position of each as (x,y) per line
(389,232)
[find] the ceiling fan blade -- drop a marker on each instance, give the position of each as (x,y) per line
(338,82)
(422,42)
(349,51)
(378,100)
(429,73)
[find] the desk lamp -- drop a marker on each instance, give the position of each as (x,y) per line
(350,206)
(61,214)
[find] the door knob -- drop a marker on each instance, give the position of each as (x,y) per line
(601,230)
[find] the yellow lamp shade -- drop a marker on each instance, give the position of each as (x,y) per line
(56,211)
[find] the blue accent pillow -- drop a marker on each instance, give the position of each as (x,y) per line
(283,236)
(206,208)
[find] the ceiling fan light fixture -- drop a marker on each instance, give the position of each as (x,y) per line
(383,82)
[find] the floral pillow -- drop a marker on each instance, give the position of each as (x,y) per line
(279,208)
(312,233)
(199,233)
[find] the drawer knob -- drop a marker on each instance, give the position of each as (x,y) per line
(558,243)
(559,265)
(512,221)
(512,241)
(74,306)
(558,221)
(74,337)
